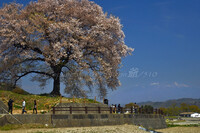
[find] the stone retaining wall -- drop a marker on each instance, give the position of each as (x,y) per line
(150,121)
(28,118)
(3,120)
(3,108)
(80,120)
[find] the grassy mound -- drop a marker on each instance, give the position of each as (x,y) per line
(44,102)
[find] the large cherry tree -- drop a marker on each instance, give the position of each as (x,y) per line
(69,41)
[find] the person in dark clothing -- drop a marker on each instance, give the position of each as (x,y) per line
(136,108)
(119,108)
(35,107)
(10,106)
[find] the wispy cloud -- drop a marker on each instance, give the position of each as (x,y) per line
(181,85)
(155,84)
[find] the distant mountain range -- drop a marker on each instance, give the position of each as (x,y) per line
(169,103)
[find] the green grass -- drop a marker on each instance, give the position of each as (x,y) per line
(44,102)
(10,127)
(190,125)
(24,126)
(172,117)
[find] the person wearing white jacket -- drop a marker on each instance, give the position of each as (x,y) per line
(23,107)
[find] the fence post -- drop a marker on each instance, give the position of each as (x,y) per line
(84,99)
(73,100)
(140,111)
(99,110)
(86,111)
(111,110)
(60,98)
(156,111)
(70,109)
(159,111)
(2,96)
(54,110)
(146,111)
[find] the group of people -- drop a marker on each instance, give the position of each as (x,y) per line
(118,109)
(115,108)
(10,106)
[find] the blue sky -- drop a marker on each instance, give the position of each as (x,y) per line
(166,61)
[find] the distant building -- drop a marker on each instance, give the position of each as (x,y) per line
(186,114)
(195,115)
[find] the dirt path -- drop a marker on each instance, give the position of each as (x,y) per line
(105,129)
(101,129)
(180,130)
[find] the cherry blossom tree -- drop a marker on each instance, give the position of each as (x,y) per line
(68,41)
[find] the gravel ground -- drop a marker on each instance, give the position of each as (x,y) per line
(100,129)
(105,129)
(180,130)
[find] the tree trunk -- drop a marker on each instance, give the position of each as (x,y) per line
(56,84)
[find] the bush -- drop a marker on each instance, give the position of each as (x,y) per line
(20,91)
(43,112)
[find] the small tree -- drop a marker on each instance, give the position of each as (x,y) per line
(69,41)
(194,108)
(184,107)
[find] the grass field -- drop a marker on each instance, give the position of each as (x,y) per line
(43,102)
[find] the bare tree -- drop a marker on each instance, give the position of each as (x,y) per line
(69,41)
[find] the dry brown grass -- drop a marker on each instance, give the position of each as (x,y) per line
(180,130)
(100,129)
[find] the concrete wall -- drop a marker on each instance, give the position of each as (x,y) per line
(3,120)
(3,107)
(27,118)
(81,120)
(150,121)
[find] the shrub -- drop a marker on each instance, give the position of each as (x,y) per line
(20,91)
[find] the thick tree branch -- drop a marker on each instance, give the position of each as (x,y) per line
(33,59)
(26,47)
(37,72)
(26,73)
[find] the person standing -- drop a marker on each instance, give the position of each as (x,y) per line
(10,106)
(113,108)
(119,108)
(35,107)
(23,107)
